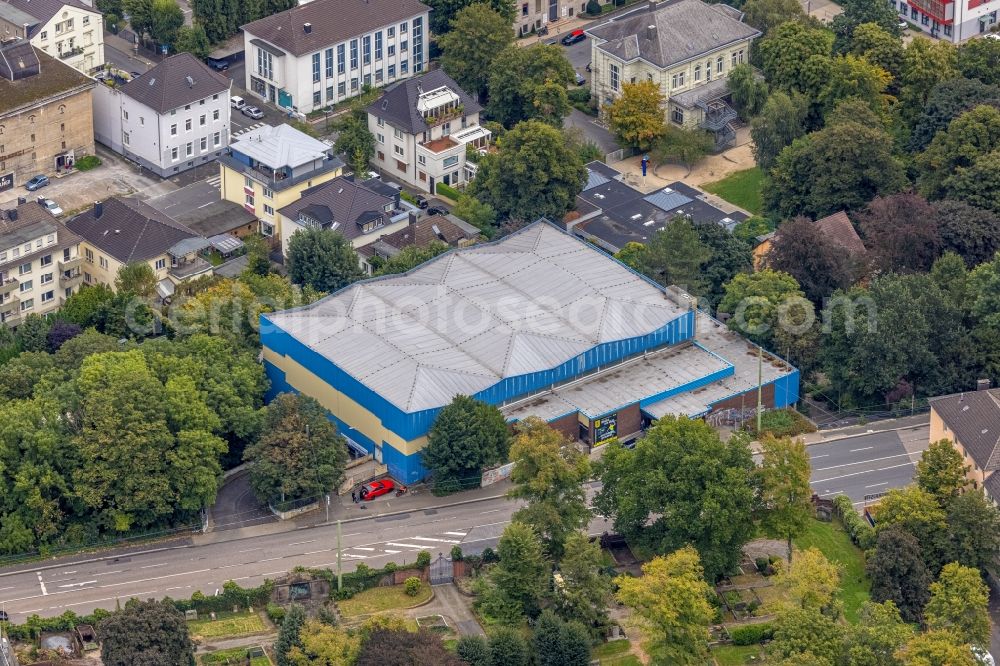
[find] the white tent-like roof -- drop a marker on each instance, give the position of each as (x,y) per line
(469,318)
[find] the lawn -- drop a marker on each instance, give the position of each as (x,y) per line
(736,655)
(227,625)
(741,189)
(232,656)
(831,539)
(380,599)
(615,653)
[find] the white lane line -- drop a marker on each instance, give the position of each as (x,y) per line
(270,559)
(405,545)
(863,448)
(456,533)
(391,552)
(274,573)
(434,540)
(66,573)
(314,552)
(179,587)
(153,566)
(87,582)
(867,471)
(822,455)
(359,557)
(41,583)
(361,548)
(97,601)
(300,543)
(862,462)
(876,485)
(6,588)
(830,492)
(250,550)
(490,511)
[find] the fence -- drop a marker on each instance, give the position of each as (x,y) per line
(620,154)
(496,474)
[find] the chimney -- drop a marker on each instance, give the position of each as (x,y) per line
(21,200)
(98,210)
(12,214)
(307,27)
(983,385)
(412,217)
(651,32)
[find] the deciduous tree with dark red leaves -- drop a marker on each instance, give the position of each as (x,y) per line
(820,265)
(403,648)
(901,234)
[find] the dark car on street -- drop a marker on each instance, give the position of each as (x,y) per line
(217,65)
(437,210)
(574,37)
(421,201)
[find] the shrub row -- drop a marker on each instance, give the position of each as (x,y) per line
(861,533)
(448,191)
(232,595)
(751,634)
(68,621)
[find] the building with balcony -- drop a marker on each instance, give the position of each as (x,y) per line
(687,47)
(951,20)
(347,206)
(325,51)
(126,230)
(46,114)
(422,129)
(268,168)
(70,30)
(40,262)
(170,119)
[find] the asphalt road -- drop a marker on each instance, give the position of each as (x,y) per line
(868,464)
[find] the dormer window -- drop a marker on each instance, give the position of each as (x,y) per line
(439,104)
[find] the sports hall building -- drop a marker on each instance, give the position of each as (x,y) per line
(539,323)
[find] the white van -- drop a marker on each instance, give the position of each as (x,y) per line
(237,102)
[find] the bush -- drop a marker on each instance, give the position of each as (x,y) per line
(456,553)
(88,162)
(782,423)
(275,612)
(762,564)
(860,531)
(490,556)
(593,7)
(390,567)
(423,559)
(447,191)
(751,634)
(406,196)
(412,586)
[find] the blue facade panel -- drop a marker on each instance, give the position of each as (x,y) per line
(403,468)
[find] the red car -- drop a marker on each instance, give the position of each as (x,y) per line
(376,488)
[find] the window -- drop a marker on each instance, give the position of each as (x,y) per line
(86,20)
(25,269)
(368,79)
(103,262)
(341,89)
(708,70)
(451,161)
(718,65)
(268,210)
(697,73)
(947,29)
(173,153)
(613,76)
(392,50)
(161,264)
(403,46)
(215,96)
(341,65)
(204,143)
(248,200)
(329,93)
(125,138)
(46,260)
(47,278)
(247,182)
(44,35)
(187,125)
(27,304)
(26,285)
(402,28)
(398,133)
(446,129)
(398,150)
(187,107)
(315,65)
(201,120)
(392,69)
(189,149)
(48,296)
(329,63)
(354,83)
(124,115)
(732,61)
(50,239)
(421,159)
(404,68)
(88,254)
(268,193)
(354,54)
(378,45)
(740,53)
(380,137)
(215,115)
(378,76)
(677,80)
(390,32)
(265,65)
(677,115)
(366,49)
(380,122)
(317,97)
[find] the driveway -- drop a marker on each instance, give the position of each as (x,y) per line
(591,130)
(236,506)
(454,606)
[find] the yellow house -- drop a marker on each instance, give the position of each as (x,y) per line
(126,230)
(687,47)
(971,422)
(267,168)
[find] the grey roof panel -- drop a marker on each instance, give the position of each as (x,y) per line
(129,229)
(594,179)
(398,106)
(667,199)
(974,419)
(176,81)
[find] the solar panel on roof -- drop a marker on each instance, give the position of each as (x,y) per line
(667,199)
(594,179)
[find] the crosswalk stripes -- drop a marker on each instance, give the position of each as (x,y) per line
(215,181)
(237,135)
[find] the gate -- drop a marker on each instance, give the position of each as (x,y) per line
(441,571)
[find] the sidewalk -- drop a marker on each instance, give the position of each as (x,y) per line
(887,425)
(556,30)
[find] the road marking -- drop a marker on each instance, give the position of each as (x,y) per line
(391,552)
(88,582)
(862,462)
(153,566)
(490,511)
(314,552)
(300,543)
(42,584)
(867,471)
(361,548)
(863,448)
(404,545)
(66,573)
(179,587)
(876,485)
(434,540)
(250,550)
(206,205)
(830,492)
(6,588)
(822,455)
(270,559)
(457,533)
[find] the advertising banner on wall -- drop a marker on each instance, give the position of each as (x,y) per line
(605,428)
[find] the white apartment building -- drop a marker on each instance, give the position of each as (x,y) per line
(951,20)
(71,30)
(317,54)
(39,263)
(172,118)
(422,128)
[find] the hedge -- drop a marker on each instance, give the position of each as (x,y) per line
(751,634)
(448,191)
(68,621)
(860,531)
(232,595)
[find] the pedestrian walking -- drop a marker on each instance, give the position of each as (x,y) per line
(354,496)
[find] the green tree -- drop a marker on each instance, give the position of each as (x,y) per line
(560,643)
(477,213)
(766,15)
(781,120)
(355,140)
(879,47)
(970,232)
(548,473)
(802,631)
(585,590)
(516,584)
(784,488)
(529,83)
(681,145)
(445,12)
(322,259)
(759,303)
(478,35)
(136,278)
(636,116)
(786,50)
(146,632)
(940,471)
(863,12)
(467,436)
(925,65)
(508,648)
(290,635)
(936,648)
(812,583)
(968,185)
(879,633)
(675,255)
(140,13)
(855,78)
(917,512)
(731,255)
(980,59)
(973,531)
(748,93)
(410,257)
(299,454)
(166,19)
(969,136)
(898,573)
(324,644)
(257,256)
(193,40)
(671,599)
(958,603)
(945,102)
(838,167)
(707,500)
(533,174)
(474,650)
(400,646)
(33,333)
